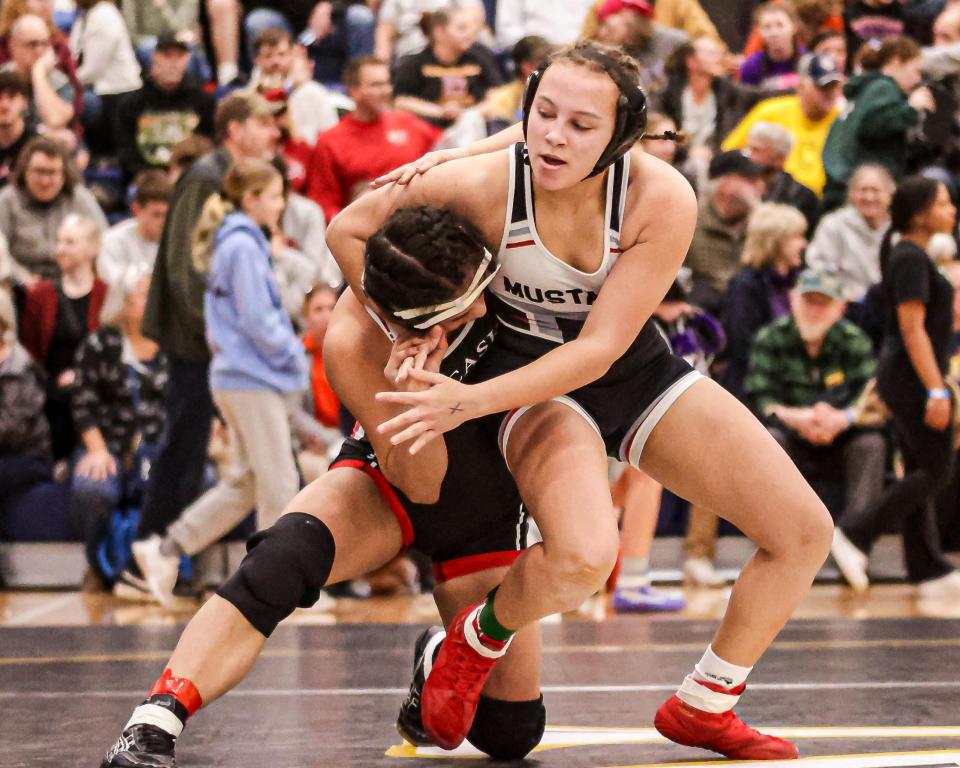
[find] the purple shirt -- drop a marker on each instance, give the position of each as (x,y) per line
(762,71)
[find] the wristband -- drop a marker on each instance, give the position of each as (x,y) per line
(938,394)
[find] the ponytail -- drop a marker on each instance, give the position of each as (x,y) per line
(215,210)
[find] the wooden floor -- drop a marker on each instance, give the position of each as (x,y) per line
(863,681)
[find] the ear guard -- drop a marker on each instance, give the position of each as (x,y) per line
(631,120)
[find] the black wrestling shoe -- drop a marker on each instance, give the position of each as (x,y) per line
(410,719)
(142,746)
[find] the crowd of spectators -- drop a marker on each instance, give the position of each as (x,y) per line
(167,171)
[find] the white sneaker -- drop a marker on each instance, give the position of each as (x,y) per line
(159,570)
(945,586)
(850,560)
(699,572)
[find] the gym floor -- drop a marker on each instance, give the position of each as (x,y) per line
(859,682)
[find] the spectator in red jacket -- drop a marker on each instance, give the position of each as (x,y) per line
(58,315)
(368,142)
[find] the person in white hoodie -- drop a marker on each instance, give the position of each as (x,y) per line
(847,241)
(108,67)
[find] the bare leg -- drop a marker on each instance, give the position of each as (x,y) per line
(219,646)
(225,31)
(560,466)
(709,449)
(641,506)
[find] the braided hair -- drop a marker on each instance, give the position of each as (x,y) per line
(422,256)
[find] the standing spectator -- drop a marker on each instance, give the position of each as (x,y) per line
(134,242)
(703,102)
(448,76)
(304,229)
(365,144)
(57,316)
(807,370)
(808,115)
(108,69)
(278,66)
(886,105)
(174,313)
(52,101)
(559,22)
(46,189)
(629,23)
(399,29)
(910,379)
(165,111)
(734,187)
(11,10)
(147,21)
(847,241)
(14,131)
(770,145)
(258,366)
(117,409)
(774,67)
(24,432)
(760,293)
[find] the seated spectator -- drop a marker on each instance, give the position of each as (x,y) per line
(702,101)
(813,18)
(186,153)
(399,30)
(558,22)
(258,367)
(847,241)
(365,144)
(305,230)
(333,32)
(686,15)
(14,131)
(734,187)
(108,69)
(52,96)
(58,315)
(10,11)
(653,142)
(869,21)
(832,44)
(24,433)
(774,67)
(629,24)
(46,189)
(503,105)
(760,293)
(165,111)
(118,410)
(452,73)
(134,242)
(886,105)
(316,424)
(808,115)
(770,145)
(147,21)
(279,66)
(806,372)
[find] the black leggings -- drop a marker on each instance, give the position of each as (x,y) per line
(911,502)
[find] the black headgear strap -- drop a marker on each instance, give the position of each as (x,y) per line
(631,121)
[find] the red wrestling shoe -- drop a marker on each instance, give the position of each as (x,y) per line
(724,733)
(452,690)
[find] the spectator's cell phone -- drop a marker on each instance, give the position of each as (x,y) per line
(307,38)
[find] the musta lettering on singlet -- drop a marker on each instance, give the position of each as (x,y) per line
(551,296)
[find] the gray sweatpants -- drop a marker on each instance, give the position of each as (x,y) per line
(261,474)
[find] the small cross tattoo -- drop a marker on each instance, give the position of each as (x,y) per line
(456,409)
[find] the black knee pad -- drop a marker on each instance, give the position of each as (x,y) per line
(285,567)
(508,730)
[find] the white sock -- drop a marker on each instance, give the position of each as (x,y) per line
(154,714)
(712,669)
(634,573)
(227,72)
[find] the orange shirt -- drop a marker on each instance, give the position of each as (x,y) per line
(325,404)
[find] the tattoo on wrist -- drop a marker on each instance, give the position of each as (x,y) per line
(456,409)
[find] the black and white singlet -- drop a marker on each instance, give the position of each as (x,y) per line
(541,301)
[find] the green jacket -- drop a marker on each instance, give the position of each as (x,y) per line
(174,312)
(872,129)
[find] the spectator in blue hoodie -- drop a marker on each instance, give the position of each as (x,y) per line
(258,368)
